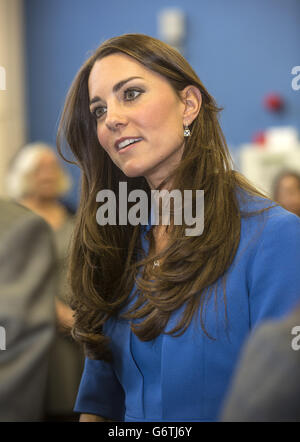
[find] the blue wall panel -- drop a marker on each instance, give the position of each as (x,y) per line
(240,49)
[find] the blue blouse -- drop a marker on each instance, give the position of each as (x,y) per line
(186,378)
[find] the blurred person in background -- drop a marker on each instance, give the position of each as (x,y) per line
(266,385)
(37,180)
(286,191)
(28,279)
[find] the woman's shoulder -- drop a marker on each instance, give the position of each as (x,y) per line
(268,227)
(249,202)
(260,207)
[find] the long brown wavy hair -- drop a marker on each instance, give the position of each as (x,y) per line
(106,260)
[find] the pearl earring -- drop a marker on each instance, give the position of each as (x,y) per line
(186,132)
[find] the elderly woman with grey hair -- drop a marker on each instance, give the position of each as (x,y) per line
(37,181)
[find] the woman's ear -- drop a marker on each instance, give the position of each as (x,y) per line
(192,99)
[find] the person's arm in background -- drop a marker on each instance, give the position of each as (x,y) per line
(28,283)
(64,315)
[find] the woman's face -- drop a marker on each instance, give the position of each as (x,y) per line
(45,177)
(132,103)
(288,194)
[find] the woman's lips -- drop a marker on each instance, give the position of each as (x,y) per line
(127,148)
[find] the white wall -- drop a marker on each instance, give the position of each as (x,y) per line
(12,83)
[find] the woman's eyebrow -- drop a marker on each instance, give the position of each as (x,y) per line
(116,88)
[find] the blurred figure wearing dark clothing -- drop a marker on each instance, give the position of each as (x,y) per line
(28,280)
(37,180)
(266,386)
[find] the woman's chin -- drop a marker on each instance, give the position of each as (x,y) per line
(134,171)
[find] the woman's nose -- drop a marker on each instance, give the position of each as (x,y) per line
(115,118)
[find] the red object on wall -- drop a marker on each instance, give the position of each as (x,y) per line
(259,138)
(273,102)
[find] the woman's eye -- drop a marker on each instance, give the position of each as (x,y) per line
(131,94)
(98,112)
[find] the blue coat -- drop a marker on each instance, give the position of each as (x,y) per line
(186,378)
